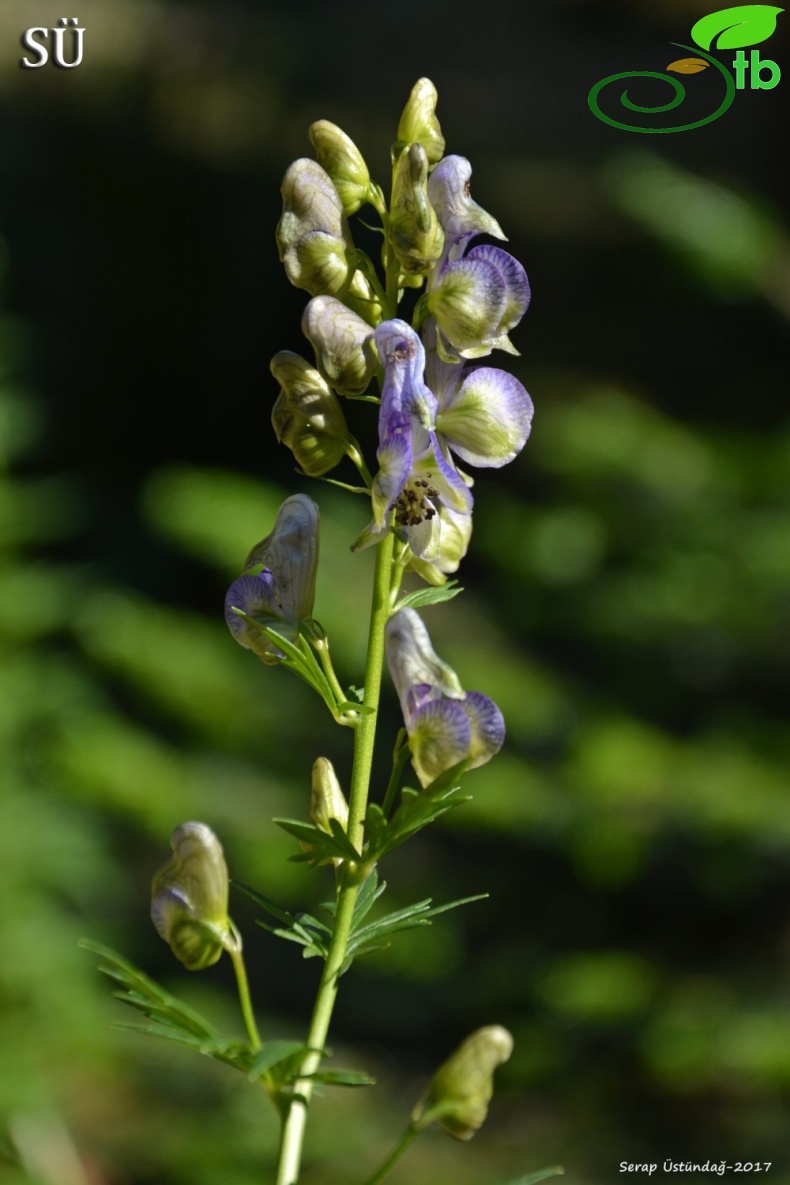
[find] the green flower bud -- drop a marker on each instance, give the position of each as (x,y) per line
(343,344)
(462,1088)
(418,123)
(415,232)
(307,416)
(189,905)
(344,163)
(313,238)
(327,800)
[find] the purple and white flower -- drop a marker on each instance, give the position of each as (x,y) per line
(483,416)
(445,724)
(280,596)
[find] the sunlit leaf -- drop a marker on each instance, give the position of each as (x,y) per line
(429,596)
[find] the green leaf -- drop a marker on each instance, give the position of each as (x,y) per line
(271,907)
(272,1053)
(369,893)
(169,1018)
(323,846)
(147,996)
(417,810)
(746,24)
(429,596)
(376,935)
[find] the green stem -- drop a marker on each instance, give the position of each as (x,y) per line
(244,997)
(295,1114)
(355,453)
(395,1155)
(399,759)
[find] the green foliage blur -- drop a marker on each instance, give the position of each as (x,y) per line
(627,602)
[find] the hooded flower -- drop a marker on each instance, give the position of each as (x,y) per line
(415,233)
(189,898)
(339,156)
(307,416)
(459,215)
(445,724)
(483,416)
(484,413)
(343,344)
(477,297)
(313,237)
(415,467)
(462,1087)
(281,594)
(418,123)
(477,300)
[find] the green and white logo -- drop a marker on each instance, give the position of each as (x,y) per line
(731,28)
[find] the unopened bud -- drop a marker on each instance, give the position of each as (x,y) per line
(418,123)
(343,344)
(462,1088)
(307,416)
(327,800)
(189,905)
(415,232)
(312,235)
(339,155)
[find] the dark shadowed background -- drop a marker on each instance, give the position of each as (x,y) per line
(627,597)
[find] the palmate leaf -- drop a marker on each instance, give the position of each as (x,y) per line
(323,847)
(168,1017)
(271,907)
(148,997)
(417,809)
(429,596)
(302,928)
(377,935)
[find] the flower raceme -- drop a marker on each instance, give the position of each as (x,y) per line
(281,594)
(445,724)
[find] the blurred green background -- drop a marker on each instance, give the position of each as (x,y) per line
(627,598)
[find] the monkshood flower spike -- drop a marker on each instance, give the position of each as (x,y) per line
(445,724)
(280,596)
(439,408)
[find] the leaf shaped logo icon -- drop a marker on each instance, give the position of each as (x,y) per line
(747,24)
(688,65)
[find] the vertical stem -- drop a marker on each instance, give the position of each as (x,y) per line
(295,1118)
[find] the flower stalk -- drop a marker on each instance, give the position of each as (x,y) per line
(295,1117)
